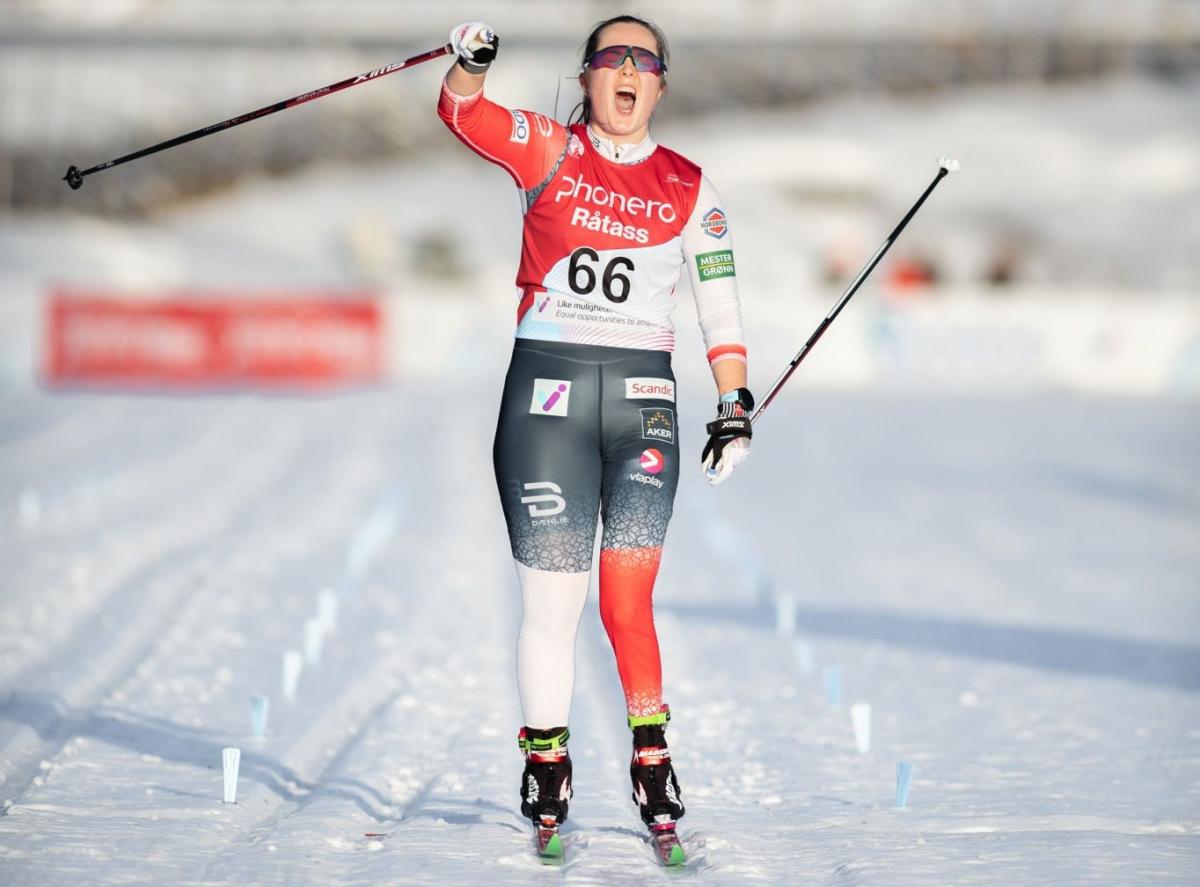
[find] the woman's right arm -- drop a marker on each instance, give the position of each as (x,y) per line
(524,143)
(463,83)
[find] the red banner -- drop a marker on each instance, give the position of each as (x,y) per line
(201,341)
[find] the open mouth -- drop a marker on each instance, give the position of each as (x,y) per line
(626,98)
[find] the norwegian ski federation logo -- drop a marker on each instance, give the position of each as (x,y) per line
(550,397)
(652,461)
(658,423)
(713,223)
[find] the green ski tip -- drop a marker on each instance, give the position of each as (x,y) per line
(677,857)
(554,848)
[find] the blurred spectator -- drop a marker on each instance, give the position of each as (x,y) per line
(909,273)
(1001,269)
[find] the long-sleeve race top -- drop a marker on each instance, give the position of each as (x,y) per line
(606,230)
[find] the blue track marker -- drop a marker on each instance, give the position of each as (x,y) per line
(260,710)
(831,677)
(903,782)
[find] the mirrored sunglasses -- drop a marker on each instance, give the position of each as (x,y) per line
(614,56)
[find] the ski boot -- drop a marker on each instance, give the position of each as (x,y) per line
(655,788)
(546,784)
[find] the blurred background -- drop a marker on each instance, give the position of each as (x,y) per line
(1063,257)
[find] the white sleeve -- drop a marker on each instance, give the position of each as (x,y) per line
(708,254)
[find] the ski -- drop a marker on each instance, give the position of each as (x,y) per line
(666,845)
(549,844)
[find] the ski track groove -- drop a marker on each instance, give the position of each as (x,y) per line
(273,496)
(185,469)
(74,432)
(472,757)
(108,668)
(182,471)
(321,772)
(364,674)
(373,672)
(261,829)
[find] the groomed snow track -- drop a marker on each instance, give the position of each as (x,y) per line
(1009,582)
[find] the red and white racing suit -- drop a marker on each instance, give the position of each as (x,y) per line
(607,229)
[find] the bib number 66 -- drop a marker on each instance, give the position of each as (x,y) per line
(581,274)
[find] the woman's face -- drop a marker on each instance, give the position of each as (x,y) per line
(623,99)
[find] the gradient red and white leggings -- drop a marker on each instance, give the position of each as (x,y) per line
(586,430)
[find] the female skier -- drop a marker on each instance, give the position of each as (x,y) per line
(587,420)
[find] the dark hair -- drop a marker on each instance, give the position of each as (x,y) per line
(592,44)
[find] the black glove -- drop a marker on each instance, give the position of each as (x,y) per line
(476,45)
(732,422)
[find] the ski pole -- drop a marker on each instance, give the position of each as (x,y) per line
(945,165)
(74,176)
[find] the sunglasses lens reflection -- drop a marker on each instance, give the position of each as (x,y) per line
(614,56)
(646,61)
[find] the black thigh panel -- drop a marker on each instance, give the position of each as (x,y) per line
(641,452)
(576,419)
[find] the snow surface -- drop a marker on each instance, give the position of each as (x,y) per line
(1010,583)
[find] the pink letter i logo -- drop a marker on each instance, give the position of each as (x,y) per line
(549,402)
(550,397)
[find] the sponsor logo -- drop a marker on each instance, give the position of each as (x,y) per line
(658,423)
(572,188)
(649,389)
(554,502)
(361,78)
(715,265)
(653,757)
(520,130)
(550,397)
(574,146)
(646,479)
(652,461)
(593,221)
(714,224)
(673,179)
(545,302)
(544,127)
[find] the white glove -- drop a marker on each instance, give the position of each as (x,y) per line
(476,45)
(728,436)
(734,454)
